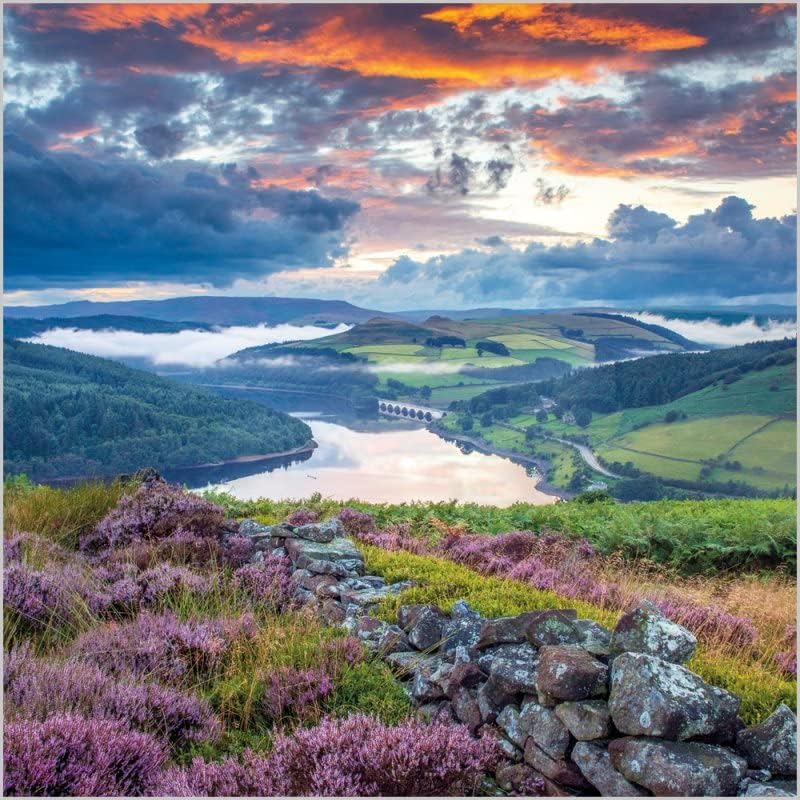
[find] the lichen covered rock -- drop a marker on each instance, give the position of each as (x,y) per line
(645,629)
(595,763)
(652,697)
(568,672)
(678,769)
(772,745)
(585,719)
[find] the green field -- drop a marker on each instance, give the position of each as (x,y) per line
(528,338)
(723,420)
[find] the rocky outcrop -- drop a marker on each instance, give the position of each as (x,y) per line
(574,708)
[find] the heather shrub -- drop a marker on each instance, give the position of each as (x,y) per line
(53,599)
(268,583)
(236,551)
(36,688)
(787,660)
(156,511)
(248,776)
(295,692)
(302,516)
(159,582)
(357,756)
(34,550)
(362,756)
(160,646)
(73,756)
(356,522)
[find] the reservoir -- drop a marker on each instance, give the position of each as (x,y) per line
(379,461)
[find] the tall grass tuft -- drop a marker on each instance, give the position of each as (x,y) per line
(62,515)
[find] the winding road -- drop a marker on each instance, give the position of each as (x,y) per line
(588,456)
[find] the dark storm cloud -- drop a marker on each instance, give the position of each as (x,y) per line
(723,252)
(76,220)
(160,141)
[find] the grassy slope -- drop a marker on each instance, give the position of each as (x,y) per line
(443,582)
(724,420)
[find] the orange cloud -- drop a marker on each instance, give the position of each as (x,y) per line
(338,42)
(553,22)
(81,134)
(789,139)
(108,16)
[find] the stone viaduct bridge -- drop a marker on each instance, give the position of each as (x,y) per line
(397,408)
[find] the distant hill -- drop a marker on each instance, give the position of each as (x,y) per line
(73,415)
(26,327)
(210,310)
(661,379)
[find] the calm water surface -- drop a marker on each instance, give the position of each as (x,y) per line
(387,464)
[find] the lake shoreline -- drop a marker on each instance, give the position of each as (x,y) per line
(305,449)
(541,464)
(309,447)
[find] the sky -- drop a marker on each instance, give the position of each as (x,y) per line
(402,156)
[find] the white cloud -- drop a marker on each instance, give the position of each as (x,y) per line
(194,348)
(412,367)
(712,332)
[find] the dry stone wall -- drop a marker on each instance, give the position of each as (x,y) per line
(574,708)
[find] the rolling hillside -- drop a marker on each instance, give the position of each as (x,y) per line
(453,359)
(729,416)
(72,415)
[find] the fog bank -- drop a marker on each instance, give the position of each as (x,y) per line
(193,348)
(714,333)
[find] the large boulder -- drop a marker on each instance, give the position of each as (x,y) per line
(264,537)
(465,707)
(429,680)
(645,629)
(585,719)
(510,652)
(568,672)
(652,697)
(772,745)
(460,634)
(464,674)
(759,789)
(493,696)
(678,769)
(594,762)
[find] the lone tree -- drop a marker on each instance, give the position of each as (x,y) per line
(498,348)
(541,415)
(583,416)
